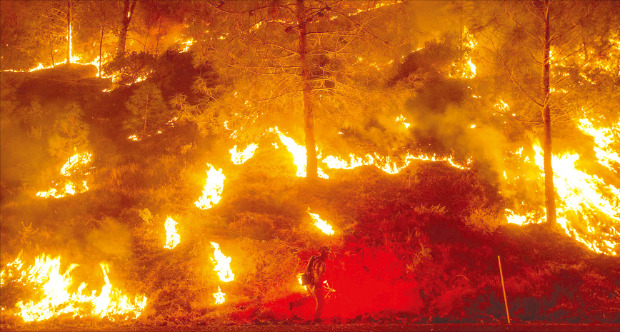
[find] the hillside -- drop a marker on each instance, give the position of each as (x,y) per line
(418,246)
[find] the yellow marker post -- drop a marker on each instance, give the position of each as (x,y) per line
(503,288)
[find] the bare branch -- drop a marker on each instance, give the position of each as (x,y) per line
(521,25)
(513,79)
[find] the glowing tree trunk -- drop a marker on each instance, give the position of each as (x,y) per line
(122,36)
(546,114)
(311,162)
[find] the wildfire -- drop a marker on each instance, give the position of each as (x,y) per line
(222,264)
(240,157)
(386,164)
(70,168)
(321,224)
(582,194)
(186,44)
(219,296)
(465,68)
(172,237)
(514,218)
(300,282)
(584,202)
(603,138)
(298,152)
(212,191)
(403,120)
(52,287)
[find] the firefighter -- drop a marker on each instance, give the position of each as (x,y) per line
(313,280)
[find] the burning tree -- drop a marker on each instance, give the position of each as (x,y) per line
(315,60)
(421,118)
(559,91)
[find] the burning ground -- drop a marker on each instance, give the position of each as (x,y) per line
(158,190)
(151,227)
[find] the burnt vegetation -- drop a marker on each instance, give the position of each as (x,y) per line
(417,246)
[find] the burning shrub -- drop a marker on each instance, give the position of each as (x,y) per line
(130,67)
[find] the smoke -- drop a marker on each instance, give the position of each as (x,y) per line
(111,238)
(444,123)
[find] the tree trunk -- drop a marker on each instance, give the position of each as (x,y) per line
(122,36)
(100,51)
(157,37)
(311,162)
(146,113)
(69,41)
(546,114)
(146,40)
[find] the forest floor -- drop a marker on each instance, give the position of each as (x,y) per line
(336,327)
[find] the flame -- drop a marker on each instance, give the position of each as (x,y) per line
(402,120)
(519,219)
(186,44)
(386,164)
(70,41)
(78,159)
(472,68)
(71,167)
(219,296)
(172,237)
(240,157)
(465,68)
(603,138)
(576,188)
(45,278)
(584,202)
(212,191)
(222,264)
(328,289)
(321,224)
(300,282)
(298,152)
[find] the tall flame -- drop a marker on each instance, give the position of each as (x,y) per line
(298,152)
(222,264)
(584,201)
(212,191)
(172,237)
(52,286)
(321,224)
